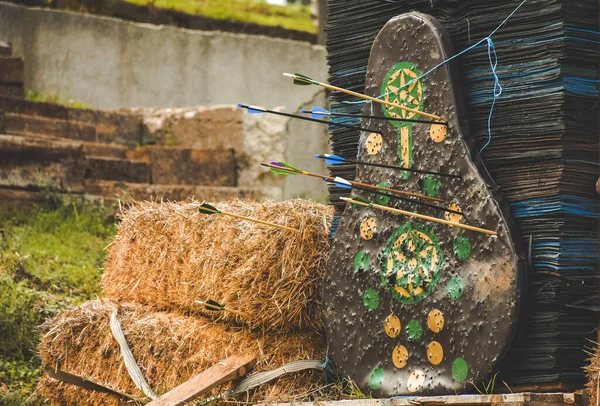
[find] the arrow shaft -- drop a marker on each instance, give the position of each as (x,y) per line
(404,199)
(266,223)
(354,183)
(316,120)
(364,96)
(420,216)
(397,192)
(402,120)
(239,313)
(393,167)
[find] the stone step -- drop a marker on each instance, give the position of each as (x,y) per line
(110,127)
(33,163)
(14,91)
(25,124)
(188,166)
(111,191)
(89,148)
(20,124)
(115,169)
(123,190)
(12,71)
(30,162)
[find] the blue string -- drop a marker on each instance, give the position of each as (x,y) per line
(497,88)
(493,65)
(324,364)
(464,51)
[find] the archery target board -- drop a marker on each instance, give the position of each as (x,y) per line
(415,307)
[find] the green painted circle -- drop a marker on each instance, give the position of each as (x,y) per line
(462,248)
(455,288)
(460,370)
(376,378)
(404,95)
(371,299)
(383,200)
(411,264)
(431,185)
(361,262)
(414,330)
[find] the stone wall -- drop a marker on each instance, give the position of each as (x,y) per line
(112,64)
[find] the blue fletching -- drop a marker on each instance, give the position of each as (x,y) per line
(318,112)
(342,183)
(334,160)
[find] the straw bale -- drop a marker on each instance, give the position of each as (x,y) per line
(592,370)
(168,255)
(169,348)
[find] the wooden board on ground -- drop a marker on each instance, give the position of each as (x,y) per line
(511,399)
(225,371)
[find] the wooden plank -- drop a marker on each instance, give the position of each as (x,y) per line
(511,399)
(555,387)
(226,370)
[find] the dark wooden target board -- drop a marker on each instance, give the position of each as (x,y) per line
(415,307)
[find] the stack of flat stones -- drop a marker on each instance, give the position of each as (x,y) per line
(543,154)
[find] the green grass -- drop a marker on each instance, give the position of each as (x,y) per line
(295,16)
(54,99)
(50,258)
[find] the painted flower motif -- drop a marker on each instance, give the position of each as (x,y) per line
(401,87)
(411,263)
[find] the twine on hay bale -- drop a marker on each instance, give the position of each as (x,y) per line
(168,255)
(169,348)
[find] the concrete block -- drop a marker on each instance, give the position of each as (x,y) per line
(194,127)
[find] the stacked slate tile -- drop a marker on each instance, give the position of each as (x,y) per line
(543,153)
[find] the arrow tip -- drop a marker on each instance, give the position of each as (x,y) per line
(288,75)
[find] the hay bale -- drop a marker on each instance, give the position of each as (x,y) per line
(592,371)
(168,255)
(169,348)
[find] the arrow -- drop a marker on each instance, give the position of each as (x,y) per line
(338,160)
(303,80)
(344,184)
(364,203)
(214,306)
(206,208)
(262,110)
(317,112)
(283,168)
